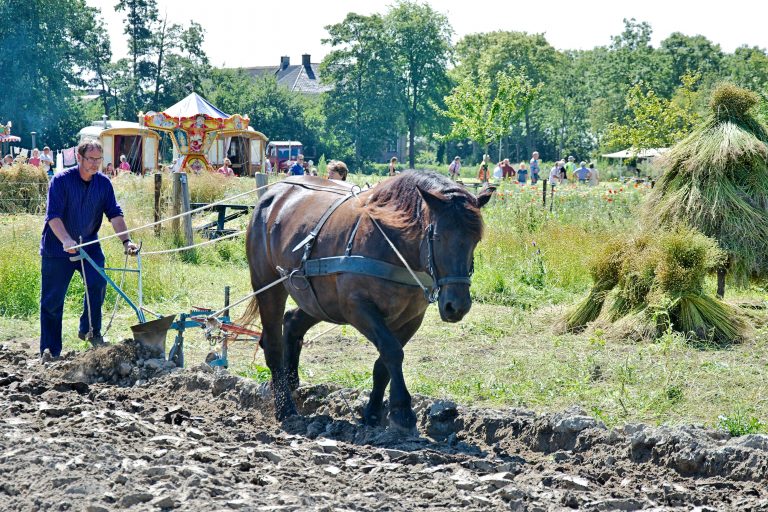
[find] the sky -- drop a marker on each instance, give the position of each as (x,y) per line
(243,33)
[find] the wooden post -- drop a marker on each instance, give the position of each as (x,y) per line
(544,193)
(176,208)
(187,219)
(158,188)
(261,181)
(226,301)
(552,197)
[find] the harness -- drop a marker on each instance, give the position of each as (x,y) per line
(428,281)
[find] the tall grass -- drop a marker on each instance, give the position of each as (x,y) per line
(23,189)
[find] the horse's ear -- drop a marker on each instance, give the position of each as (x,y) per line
(435,202)
(485,195)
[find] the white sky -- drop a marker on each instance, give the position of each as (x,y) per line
(257,33)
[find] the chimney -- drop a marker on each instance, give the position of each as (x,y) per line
(285,61)
(305,60)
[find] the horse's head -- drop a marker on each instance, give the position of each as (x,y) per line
(454,230)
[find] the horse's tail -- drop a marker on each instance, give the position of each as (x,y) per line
(251,312)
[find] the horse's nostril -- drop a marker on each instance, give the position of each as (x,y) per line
(449,307)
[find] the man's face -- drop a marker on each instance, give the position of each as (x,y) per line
(90,164)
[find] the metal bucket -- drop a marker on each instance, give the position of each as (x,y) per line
(152,334)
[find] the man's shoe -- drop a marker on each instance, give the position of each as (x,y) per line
(47,357)
(96,341)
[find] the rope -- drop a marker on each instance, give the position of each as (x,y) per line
(178,249)
(127,231)
(260,290)
(309,342)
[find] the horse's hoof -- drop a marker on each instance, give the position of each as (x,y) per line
(403,420)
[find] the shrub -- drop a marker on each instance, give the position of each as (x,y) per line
(23,189)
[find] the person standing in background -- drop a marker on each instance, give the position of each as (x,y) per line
(455,168)
(594,176)
(297,169)
(124,165)
(484,171)
(35,158)
(393,166)
(47,160)
(534,167)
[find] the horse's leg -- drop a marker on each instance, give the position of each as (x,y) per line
(271,307)
(373,414)
(296,323)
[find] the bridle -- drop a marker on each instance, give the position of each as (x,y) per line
(437,282)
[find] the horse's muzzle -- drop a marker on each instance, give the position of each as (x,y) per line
(454,304)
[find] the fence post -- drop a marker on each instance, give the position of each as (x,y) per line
(158,188)
(187,219)
(226,301)
(544,193)
(261,181)
(176,205)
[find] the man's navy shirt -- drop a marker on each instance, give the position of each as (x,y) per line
(297,169)
(80,205)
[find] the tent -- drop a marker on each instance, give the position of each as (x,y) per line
(632,153)
(137,143)
(202,134)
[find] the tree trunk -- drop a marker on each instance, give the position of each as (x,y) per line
(161,49)
(721,283)
(528,138)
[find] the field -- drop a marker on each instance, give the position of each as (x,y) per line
(531,265)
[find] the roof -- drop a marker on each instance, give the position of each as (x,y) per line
(285,143)
(193,105)
(9,138)
(632,153)
(296,78)
(126,127)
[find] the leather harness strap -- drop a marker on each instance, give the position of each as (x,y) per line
(364,266)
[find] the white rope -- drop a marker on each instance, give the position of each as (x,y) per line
(127,231)
(265,288)
(178,249)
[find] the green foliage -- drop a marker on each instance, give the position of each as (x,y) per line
(19,273)
(740,422)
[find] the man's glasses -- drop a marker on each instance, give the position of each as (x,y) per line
(94,160)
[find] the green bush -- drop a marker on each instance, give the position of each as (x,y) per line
(23,189)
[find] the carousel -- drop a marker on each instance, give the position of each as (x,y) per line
(203,136)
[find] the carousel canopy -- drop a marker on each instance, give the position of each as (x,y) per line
(193,105)
(9,138)
(632,153)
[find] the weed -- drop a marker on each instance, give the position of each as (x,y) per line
(740,422)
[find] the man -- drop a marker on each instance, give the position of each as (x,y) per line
(337,170)
(570,167)
(77,199)
(582,173)
(47,160)
(455,168)
(297,169)
(534,167)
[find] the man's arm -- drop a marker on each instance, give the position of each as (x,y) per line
(57,226)
(118,224)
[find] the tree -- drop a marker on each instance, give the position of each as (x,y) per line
(748,67)
(47,40)
(360,108)
(480,113)
(420,39)
(654,121)
(691,54)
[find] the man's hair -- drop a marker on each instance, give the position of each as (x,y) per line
(87,145)
(46,147)
(339,167)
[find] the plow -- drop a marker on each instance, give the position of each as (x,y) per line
(218,328)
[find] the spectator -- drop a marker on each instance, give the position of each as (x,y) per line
(35,159)
(455,168)
(554,174)
(110,170)
(535,167)
(312,168)
(484,172)
(297,169)
(8,160)
(226,169)
(268,166)
(337,170)
(393,166)
(570,167)
(594,176)
(507,171)
(47,160)
(582,173)
(124,165)
(563,172)
(522,174)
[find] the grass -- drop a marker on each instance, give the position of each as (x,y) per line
(504,353)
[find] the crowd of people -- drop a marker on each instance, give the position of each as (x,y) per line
(562,171)
(44,160)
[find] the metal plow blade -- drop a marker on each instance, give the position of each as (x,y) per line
(152,334)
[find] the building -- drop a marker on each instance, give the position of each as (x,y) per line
(303,78)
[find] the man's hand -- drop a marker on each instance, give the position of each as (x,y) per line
(68,246)
(131,249)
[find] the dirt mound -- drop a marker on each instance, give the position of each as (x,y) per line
(199,439)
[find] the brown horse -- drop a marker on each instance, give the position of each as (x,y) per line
(331,241)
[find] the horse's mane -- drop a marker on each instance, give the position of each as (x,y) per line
(398,203)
